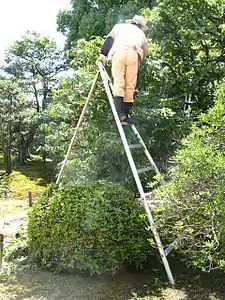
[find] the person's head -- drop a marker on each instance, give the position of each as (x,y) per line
(139,21)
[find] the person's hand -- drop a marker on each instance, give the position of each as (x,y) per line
(102,58)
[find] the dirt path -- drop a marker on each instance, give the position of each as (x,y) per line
(43,285)
(11,207)
(10,225)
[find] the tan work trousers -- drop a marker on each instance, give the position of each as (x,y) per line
(125,63)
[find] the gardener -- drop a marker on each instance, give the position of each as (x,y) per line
(126,45)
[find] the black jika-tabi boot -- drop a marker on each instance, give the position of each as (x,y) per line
(130,119)
(119,105)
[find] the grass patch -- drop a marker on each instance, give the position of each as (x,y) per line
(34,177)
(9,207)
(19,185)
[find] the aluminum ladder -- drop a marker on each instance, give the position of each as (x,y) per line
(145,197)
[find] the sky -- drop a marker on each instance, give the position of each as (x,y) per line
(19,16)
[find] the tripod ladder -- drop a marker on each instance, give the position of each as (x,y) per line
(145,197)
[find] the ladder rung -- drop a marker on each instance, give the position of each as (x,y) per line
(190,102)
(135,146)
(169,249)
(145,170)
(153,204)
(148,194)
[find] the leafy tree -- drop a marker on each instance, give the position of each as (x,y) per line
(16,116)
(56,130)
(185,64)
(36,63)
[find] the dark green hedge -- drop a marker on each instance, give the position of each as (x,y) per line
(94,226)
(195,197)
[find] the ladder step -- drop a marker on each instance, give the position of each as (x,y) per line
(169,249)
(135,146)
(148,194)
(147,197)
(151,202)
(145,170)
(171,246)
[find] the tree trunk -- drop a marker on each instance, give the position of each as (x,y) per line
(25,144)
(22,153)
(1,134)
(36,97)
(7,152)
(45,96)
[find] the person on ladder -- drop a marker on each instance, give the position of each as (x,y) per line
(126,45)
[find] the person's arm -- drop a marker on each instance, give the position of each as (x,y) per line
(107,45)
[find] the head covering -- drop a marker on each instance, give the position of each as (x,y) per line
(138,20)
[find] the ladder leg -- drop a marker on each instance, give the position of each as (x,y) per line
(76,129)
(107,84)
(159,244)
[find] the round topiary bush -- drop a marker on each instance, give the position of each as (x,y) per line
(96,227)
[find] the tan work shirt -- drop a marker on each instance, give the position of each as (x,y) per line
(127,35)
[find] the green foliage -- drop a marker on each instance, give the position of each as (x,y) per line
(187,43)
(35,61)
(96,18)
(63,21)
(68,100)
(93,227)
(185,62)
(197,191)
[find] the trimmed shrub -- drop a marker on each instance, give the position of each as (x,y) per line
(197,192)
(95,227)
